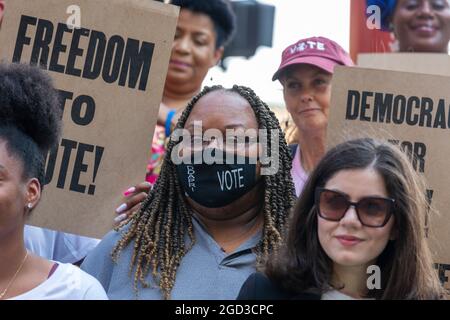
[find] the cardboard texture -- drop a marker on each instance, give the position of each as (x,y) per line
(410,110)
(429,63)
(112,73)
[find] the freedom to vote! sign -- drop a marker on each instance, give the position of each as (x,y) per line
(411,111)
(109,65)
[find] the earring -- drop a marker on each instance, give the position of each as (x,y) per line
(29,206)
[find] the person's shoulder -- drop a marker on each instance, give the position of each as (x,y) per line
(78,246)
(86,286)
(109,240)
(259,287)
(57,245)
(99,262)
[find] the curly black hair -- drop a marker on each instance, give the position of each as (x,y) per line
(219,11)
(30,116)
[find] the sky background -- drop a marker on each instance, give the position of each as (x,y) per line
(294,20)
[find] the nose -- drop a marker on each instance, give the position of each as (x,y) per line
(182,45)
(425,9)
(306,96)
(350,218)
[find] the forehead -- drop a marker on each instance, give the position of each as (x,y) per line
(8,162)
(221,110)
(400,2)
(303,70)
(195,22)
(358,183)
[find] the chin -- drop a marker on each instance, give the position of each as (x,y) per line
(178,77)
(313,123)
(428,45)
(349,259)
(219,213)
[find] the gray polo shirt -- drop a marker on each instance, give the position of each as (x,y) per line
(206,271)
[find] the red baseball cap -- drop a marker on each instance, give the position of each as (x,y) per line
(318,51)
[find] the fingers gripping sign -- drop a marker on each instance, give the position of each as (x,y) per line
(134,196)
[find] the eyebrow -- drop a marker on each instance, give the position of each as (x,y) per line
(201,33)
(197,32)
(367,196)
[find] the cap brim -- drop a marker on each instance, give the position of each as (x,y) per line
(320,62)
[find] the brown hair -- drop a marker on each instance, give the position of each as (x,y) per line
(406,265)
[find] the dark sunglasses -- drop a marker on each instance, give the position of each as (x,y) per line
(372,212)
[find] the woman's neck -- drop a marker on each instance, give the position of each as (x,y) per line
(12,252)
(178,97)
(352,280)
(312,148)
(410,49)
(233,232)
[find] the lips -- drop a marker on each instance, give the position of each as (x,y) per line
(348,241)
(180,64)
(425,29)
(309,110)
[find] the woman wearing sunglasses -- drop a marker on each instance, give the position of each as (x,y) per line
(362,209)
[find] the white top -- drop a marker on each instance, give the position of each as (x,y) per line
(336,295)
(66,283)
(299,175)
(57,246)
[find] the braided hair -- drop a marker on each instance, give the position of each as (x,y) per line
(160,227)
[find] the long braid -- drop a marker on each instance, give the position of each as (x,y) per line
(160,227)
(279,189)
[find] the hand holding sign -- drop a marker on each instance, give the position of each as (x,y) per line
(134,196)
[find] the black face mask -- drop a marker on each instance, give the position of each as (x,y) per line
(217,185)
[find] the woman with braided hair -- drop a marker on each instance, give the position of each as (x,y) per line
(305,72)
(30,121)
(198,234)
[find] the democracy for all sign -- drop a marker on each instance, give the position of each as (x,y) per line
(109,63)
(412,111)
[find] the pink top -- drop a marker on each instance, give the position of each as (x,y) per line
(299,174)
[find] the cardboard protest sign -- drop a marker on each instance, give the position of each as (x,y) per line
(429,63)
(111,74)
(412,111)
